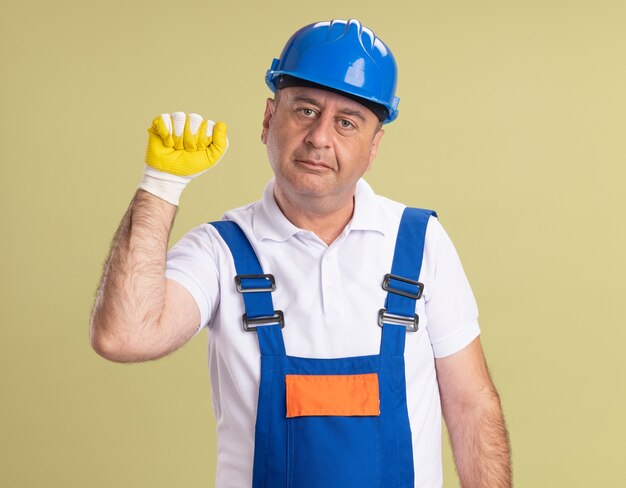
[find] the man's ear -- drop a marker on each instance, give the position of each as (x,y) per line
(374,149)
(270,106)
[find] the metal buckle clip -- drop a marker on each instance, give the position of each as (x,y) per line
(267,277)
(411,323)
(250,324)
(387,286)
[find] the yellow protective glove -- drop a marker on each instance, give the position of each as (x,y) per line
(180,148)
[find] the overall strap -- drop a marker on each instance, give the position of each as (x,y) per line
(402,285)
(256,289)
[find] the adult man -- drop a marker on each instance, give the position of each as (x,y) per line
(329,242)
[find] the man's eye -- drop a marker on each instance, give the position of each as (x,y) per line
(308,112)
(345,124)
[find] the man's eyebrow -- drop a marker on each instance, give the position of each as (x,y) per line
(355,113)
(346,111)
(301,98)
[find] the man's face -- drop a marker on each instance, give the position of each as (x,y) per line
(319,143)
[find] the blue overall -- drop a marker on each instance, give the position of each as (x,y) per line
(328,451)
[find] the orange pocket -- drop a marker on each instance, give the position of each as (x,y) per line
(339,395)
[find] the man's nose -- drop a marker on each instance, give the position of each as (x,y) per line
(319,133)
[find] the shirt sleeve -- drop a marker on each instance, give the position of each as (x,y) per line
(191,262)
(450,306)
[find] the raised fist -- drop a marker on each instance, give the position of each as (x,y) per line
(185,145)
(180,147)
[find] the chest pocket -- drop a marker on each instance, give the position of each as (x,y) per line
(333,431)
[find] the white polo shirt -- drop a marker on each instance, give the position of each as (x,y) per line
(330,296)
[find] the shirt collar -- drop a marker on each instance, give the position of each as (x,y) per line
(270,223)
(368,213)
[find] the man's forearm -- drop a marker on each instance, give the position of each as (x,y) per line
(480,444)
(131,294)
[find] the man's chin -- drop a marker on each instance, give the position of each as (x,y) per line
(309,184)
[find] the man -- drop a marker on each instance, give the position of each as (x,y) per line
(308,391)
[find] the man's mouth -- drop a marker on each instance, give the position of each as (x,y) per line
(313,164)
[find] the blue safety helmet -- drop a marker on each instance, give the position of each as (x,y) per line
(343,56)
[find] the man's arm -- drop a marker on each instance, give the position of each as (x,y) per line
(473,415)
(139,314)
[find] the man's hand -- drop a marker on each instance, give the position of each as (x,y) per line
(180,148)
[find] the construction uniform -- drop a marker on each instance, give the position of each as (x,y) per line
(284,386)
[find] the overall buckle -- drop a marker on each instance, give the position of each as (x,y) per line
(411,323)
(387,286)
(269,279)
(250,324)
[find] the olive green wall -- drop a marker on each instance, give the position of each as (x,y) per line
(511,125)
